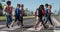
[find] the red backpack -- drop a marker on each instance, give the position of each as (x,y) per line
(43,12)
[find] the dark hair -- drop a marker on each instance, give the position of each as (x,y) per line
(41,7)
(18,5)
(22,5)
(8,2)
(46,5)
(50,6)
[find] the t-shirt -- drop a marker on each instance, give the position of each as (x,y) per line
(7,10)
(17,11)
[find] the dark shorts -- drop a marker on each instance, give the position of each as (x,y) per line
(40,19)
(17,17)
(21,18)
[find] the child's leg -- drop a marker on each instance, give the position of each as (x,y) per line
(37,22)
(14,21)
(7,20)
(43,24)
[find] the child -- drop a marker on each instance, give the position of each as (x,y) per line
(8,13)
(17,14)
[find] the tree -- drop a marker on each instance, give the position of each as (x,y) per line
(26,12)
(1,6)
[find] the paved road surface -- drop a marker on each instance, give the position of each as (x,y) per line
(28,26)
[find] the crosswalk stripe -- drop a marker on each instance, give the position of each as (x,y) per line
(4,31)
(38,29)
(56,30)
(32,29)
(56,22)
(2,25)
(12,28)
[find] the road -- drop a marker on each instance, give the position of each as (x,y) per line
(28,23)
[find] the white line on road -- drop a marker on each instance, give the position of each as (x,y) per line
(56,30)
(56,22)
(38,29)
(4,31)
(2,25)
(12,28)
(32,29)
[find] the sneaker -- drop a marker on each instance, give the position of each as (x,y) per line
(50,25)
(18,24)
(12,26)
(35,29)
(22,26)
(7,26)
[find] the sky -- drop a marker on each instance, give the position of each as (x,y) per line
(34,4)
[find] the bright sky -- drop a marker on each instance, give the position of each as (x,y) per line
(33,4)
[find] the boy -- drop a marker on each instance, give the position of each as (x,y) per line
(17,14)
(8,13)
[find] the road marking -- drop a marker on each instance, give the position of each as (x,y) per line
(38,28)
(32,29)
(12,28)
(56,22)
(3,31)
(2,25)
(56,30)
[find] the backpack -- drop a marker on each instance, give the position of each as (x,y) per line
(39,12)
(17,11)
(43,12)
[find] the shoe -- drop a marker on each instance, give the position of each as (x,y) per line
(18,24)
(51,26)
(12,26)
(35,29)
(22,26)
(7,26)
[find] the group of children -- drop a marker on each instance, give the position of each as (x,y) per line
(18,14)
(40,13)
(43,15)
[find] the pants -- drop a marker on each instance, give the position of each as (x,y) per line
(40,20)
(17,17)
(8,19)
(48,18)
(20,19)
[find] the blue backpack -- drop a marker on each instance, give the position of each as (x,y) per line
(17,11)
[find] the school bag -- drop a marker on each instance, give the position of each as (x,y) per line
(43,12)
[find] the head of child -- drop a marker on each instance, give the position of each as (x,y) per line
(18,5)
(8,3)
(49,6)
(22,6)
(46,5)
(41,7)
